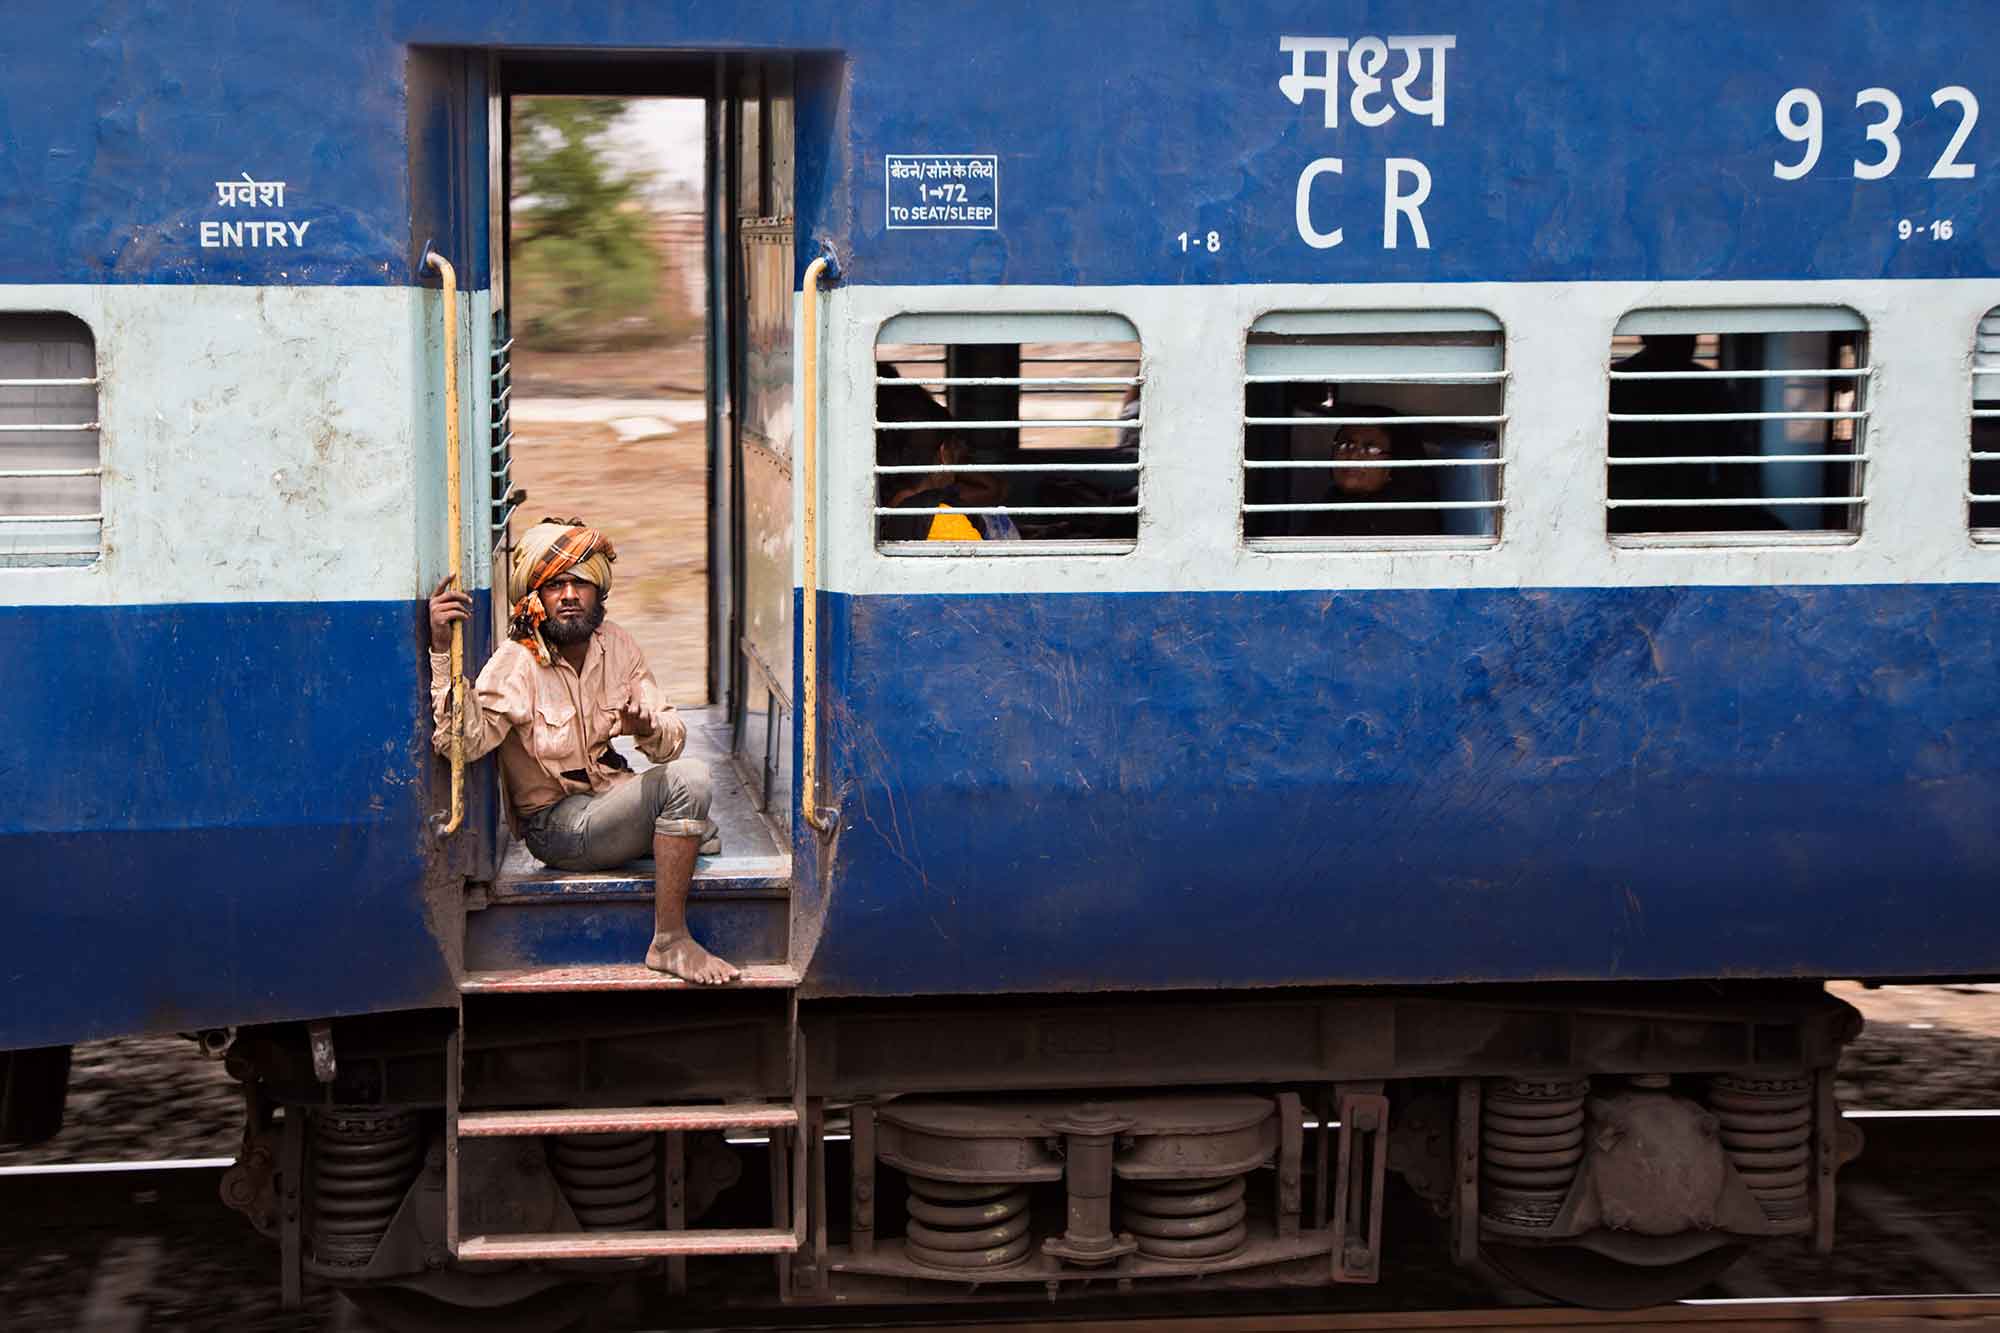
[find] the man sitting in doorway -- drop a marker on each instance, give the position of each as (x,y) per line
(550,699)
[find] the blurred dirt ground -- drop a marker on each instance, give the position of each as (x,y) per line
(649,496)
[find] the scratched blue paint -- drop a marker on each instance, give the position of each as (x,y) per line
(212,815)
(1574,146)
(1249,789)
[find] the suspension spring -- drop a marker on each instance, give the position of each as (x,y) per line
(958,1225)
(1767,1132)
(1185,1219)
(610,1180)
(1530,1147)
(363,1162)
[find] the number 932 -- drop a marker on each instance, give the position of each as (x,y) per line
(1802,120)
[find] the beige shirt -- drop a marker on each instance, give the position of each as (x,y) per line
(552,723)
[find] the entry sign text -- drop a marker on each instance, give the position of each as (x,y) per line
(955,190)
(255,233)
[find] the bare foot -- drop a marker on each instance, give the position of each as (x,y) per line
(680,956)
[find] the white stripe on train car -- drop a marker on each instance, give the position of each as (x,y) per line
(1558,335)
(269,443)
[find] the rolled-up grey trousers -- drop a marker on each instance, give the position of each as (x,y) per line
(597,831)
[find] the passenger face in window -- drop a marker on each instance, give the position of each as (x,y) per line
(959,489)
(1361,444)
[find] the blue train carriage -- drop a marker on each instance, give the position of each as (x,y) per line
(1350,590)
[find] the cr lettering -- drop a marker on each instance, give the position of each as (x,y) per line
(1406,184)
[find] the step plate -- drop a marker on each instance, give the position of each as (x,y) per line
(613,977)
(624,1244)
(623,1120)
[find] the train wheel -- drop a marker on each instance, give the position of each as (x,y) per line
(1576,1276)
(400,1310)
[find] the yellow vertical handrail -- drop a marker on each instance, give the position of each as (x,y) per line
(809,535)
(454,712)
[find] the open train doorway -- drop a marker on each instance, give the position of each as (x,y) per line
(608,314)
(642,228)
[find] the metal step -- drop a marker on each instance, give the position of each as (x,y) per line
(624,1120)
(612,923)
(625,1244)
(612,977)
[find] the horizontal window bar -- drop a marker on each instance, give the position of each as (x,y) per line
(10,554)
(1088,333)
(1051,546)
(1386,543)
(1982,499)
(16,473)
(925,469)
(1375,421)
(503,395)
(1986,370)
(51,518)
(1259,465)
(1984,412)
(1742,319)
(883,511)
(1735,416)
(75,426)
(1333,506)
(1002,381)
(1986,458)
(1388,377)
(1710,538)
(1739,502)
(1801,373)
(1120,422)
(1738,458)
(50,384)
(504,347)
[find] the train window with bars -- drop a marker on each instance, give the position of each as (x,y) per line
(1007,434)
(1730,425)
(1374,429)
(1983,477)
(51,462)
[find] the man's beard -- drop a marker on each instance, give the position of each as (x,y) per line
(563,634)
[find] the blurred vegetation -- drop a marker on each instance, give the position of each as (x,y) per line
(585,274)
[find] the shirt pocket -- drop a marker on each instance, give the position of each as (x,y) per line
(553,737)
(603,726)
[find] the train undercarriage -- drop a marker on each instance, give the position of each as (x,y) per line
(1603,1146)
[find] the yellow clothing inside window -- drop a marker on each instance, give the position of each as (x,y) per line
(950,527)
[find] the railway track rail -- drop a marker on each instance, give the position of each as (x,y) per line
(1855,1314)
